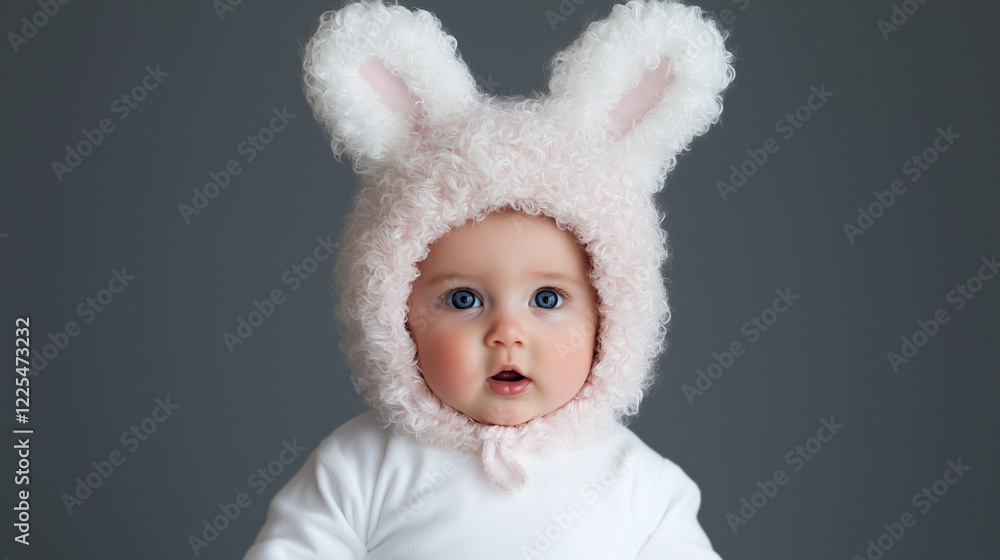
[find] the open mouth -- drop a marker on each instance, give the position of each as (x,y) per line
(508,376)
(508,383)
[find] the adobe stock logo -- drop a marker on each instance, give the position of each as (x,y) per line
(959,297)
(32,25)
(225,7)
(898,17)
(590,492)
(43,354)
(924,501)
(797,458)
(428,485)
(260,480)
(293,277)
(913,168)
(566,9)
(753,329)
(787,126)
(250,147)
(728,17)
(122,106)
(133,438)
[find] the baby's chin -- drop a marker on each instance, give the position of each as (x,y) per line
(503,419)
(508,414)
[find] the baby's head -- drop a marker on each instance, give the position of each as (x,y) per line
(522,234)
(504,318)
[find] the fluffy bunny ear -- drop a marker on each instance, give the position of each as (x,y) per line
(376,73)
(651,76)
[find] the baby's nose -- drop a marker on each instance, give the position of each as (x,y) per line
(506,330)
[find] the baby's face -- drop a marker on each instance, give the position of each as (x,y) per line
(504,318)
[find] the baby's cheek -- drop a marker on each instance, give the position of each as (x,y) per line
(565,348)
(443,361)
(421,318)
(581,331)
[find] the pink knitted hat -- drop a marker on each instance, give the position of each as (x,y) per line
(433,152)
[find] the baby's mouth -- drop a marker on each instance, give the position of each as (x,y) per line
(508,375)
(508,382)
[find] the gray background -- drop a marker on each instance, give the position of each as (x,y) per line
(826,356)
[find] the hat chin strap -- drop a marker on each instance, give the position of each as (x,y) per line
(500,464)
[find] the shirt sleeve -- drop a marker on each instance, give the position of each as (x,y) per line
(319,514)
(673,508)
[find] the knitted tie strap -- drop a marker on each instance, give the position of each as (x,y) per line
(500,464)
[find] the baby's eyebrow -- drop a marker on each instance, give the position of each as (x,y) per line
(458,278)
(447,278)
(557,276)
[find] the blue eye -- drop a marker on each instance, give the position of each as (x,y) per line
(463,299)
(547,299)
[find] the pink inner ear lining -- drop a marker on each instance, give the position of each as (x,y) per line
(391,88)
(641,99)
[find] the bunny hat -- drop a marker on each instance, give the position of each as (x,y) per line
(433,152)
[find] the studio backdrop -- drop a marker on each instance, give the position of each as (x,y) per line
(169,214)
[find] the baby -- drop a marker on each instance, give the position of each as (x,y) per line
(501,296)
(504,318)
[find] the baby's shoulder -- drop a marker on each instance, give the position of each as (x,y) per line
(361,440)
(621,437)
(644,461)
(362,427)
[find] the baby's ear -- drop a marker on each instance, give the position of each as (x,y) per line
(651,76)
(375,73)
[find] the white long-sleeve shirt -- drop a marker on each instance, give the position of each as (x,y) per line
(368,493)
